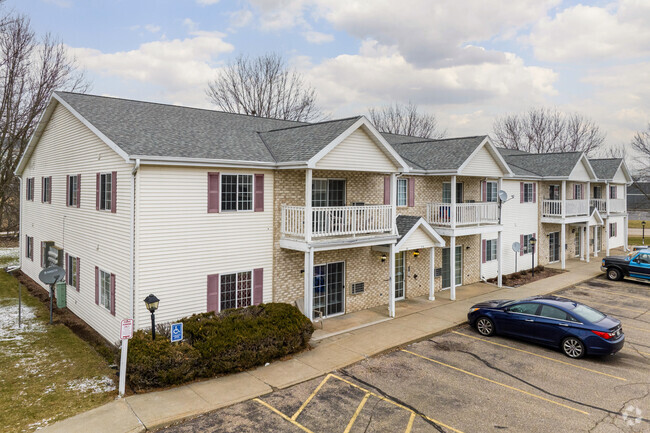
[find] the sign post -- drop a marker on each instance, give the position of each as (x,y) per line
(126,332)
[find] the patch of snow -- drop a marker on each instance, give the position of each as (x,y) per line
(9,253)
(50,389)
(9,321)
(94,385)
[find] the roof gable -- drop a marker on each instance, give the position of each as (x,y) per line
(485,161)
(445,155)
(416,233)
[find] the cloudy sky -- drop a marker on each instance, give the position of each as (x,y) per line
(466,61)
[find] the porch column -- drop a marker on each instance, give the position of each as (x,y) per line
(452,214)
(588,197)
(432,274)
(563,200)
(625,233)
(595,241)
(607,199)
(606,222)
(391,279)
(309,284)
(563,245)
(393,201)
(499,260)
(452,260)
(587,241)
(582,243)
(308,211)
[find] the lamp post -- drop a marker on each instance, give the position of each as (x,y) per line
(533,241)
(152,305)
(643,232)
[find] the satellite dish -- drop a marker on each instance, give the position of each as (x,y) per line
(51,275)
(503,196)
(516,247)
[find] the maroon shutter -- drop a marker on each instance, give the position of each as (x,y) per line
(78,273)
(67,270)
(534,193)
(483,191)
(26,246)
(114,192)
(259,193)
(42,189)
(27,189)
(213,195)
(31,248)
(213,292)
(387,190)
(42,263)
(97,191)
(113,294)
(258,286)
(49,191)
(521,245)
(96,285)
(411,191)
(484,250)
(521,192)
(67,189)
(78,191)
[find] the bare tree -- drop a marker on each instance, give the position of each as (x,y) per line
(264,86)
(31,68)
(405,120)
(543,130)
(641,143)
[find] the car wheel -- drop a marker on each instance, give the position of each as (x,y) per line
(485,326)
(614,274)
(573,347)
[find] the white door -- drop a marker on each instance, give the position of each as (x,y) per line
(400,275)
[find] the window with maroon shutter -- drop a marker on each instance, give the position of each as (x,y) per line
(213,195)
(521,192)
(46,189)
(105,290)
(534,193)
(259,193)
(107,191)
(78,192)
(213,292)
(72,190)
(258,286)
(387,190)
(78,285)
(113,294)
(29,188)
(235,290)
(72,271)
(114,192)
(29,247)
(411,193)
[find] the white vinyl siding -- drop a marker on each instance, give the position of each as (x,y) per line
(357,152)
(402,192)
(616,240)
(580,173)
(97,238)
(482,164)
(417,240)
(179,243)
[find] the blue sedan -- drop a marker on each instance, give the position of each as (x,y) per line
(552,321)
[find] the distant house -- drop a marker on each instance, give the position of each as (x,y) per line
(212,210)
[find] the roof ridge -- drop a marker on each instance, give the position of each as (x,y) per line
(523,168)
(182,106)
(312,124)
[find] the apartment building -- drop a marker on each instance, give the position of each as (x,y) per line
(212,210)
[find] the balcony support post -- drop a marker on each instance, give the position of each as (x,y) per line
(607,197)
(453,203)
(626,216)
(432,274)
(309,282)
(391,279)
(393,202)
(563,245)
(499,242)
(452,262)
(625,233)
(595,241)
(308,207)
(588,197)
(588,230)
(563,199)
(606,222)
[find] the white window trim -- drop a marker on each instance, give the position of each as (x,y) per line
(105,209)
(71,276)
(577,188)
(405,181)
(559,192)
(236,273)
(30,247)
(532,193)
(528,249)
(221,209)
(489,245)
(101,288)
(44,191)
(69,191)
(488,184)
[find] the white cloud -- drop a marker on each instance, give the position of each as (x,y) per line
(594,33)
(241,18)
(207,2)
(152,28)
(315,37)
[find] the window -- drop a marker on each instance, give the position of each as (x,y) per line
(554,313)
(526,247)
(236,192)
(235,290)
(106,191)
(598,192)
(46,190)
(577,192)
(327,192)
(524,308)
(490,250)
(643,258)
(72,276)
(402,192)
(491,192)
(612,191)
(29,187)
(446,192)
(554,192)
(73,191)
(44,254)
(29,247)
(612,230)
(528,193)
(588,313)
(105,289)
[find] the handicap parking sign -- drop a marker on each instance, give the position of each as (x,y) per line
(177,332)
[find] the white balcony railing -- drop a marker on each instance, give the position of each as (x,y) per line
(338,220)
(573,207)
(467,214)
(600,204)
(616,205)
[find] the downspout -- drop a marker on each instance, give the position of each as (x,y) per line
(132,283)
(20,223)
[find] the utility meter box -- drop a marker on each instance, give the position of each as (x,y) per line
(60,290)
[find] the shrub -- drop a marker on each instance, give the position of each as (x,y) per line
(231,341)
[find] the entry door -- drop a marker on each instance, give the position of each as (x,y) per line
(599,244)
(446,275)
(329,288)
(554,247)
(399,275)
(327,192)
(577,242)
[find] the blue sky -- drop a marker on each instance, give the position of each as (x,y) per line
(466,61)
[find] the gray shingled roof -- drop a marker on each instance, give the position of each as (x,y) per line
(444,154)
(605,168)
(301,143)
(544,164)
(405,223)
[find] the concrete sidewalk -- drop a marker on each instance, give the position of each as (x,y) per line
(143,412)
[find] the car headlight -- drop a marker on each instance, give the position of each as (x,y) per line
(471,310)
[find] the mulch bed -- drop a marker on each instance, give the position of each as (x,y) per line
(517,279)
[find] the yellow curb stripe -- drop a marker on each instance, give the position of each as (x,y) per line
(410,424)
(495,382)
(539,356)
(356,413)
(302,427)
(381,397)
(313,394)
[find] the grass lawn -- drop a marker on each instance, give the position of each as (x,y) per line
(636,224)
(47,373)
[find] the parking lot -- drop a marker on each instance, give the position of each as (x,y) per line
(462,382)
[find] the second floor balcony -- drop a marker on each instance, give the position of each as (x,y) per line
(338,221)
(466,214)
(554,208)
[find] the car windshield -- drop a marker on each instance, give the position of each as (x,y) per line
(505,303)
(588,313)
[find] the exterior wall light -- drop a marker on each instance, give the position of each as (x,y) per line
(383,257)
(416,253)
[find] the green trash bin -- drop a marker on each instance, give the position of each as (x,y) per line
(60,294)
